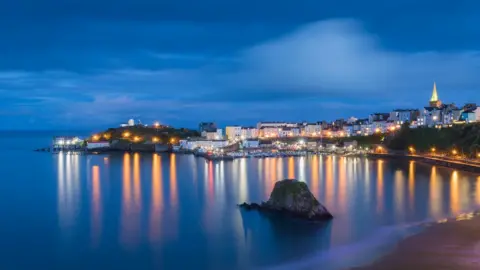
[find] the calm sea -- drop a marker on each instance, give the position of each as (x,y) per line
(149,211)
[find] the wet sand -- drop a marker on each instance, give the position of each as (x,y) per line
(451,244)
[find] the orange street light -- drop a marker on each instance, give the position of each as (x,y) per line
(433,149)
(156,124)
(136,138)
(454,152)
(95,137)
(411,149)
(377,130)
(126,134)
(478,155)
(155,139)
(172,140)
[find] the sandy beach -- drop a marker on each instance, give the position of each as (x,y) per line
(449,244)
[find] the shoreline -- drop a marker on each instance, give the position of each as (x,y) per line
(456,165)
(447,244)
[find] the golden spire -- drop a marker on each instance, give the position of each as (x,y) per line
(434,94)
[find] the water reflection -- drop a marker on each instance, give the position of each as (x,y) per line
(380,188)
(291,168)
(411,183)
(399,195)
(173,210)
(314,166)
(435,194)
(478,190)
(157,199)
(173,179)
(454,198)
(96,206)
(129,219)
(68,185)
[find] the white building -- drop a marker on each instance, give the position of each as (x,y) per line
(98,145)
(213,134)
(249,133)
(348,129)
(269,132)
(66,140)
(400,116)
(193,144)
(233,132)
(131,123)
(471,115)
(312,130)
(275,124)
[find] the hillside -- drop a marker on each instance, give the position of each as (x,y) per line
(461,139)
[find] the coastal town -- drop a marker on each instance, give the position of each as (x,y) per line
(265,139)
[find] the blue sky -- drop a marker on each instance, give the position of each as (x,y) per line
(90,64)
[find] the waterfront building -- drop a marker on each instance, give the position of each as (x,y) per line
(216,134)
(233,132)
(311,129)
(249,133)
(98,145)
(348,129)
(400,116)
(202,143)
(275,124)
(61,141)
(378,117)
(269,132)
(471,114)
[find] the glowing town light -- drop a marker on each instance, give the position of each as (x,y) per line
(155,139)
(95,137)
(136,138)
(377,130)
(411,149)
(433,149)
(126,134)
(454,152)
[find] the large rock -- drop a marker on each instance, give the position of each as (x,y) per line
(293,198)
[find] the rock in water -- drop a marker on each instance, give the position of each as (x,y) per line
(293,197)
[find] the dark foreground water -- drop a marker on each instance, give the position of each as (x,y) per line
(149,211)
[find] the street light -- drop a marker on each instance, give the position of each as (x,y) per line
(156,124)
(136,138)
(411,149)
(454,152)
(155,139)
(95,137)
(126,134)
(433,149)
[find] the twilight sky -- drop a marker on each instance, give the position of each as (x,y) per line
(74,64)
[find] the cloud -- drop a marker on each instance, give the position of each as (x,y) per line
(338,57)
(327,69)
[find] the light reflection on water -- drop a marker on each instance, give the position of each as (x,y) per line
(171,204)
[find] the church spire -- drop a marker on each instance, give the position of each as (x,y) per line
(434,93)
